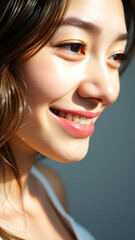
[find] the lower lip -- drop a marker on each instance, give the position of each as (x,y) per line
(83,130)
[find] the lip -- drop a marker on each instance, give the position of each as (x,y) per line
(81,113)
(82,130)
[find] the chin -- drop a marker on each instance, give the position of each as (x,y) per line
(74,155)
(69,160)
(65,151)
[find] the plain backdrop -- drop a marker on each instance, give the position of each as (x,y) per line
(100,188)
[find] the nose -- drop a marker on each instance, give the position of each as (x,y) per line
(99,83)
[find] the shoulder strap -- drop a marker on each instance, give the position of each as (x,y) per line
(80,232)
(52,196)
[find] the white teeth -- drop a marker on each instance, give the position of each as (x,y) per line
(69,116)
(82,120)
(76,118)
(89,121)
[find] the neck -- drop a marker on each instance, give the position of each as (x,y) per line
(24,157)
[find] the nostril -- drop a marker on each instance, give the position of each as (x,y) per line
(98,100)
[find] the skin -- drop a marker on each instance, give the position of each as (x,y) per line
(60,78)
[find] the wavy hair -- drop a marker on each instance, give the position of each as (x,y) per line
(25,27)
(129,9)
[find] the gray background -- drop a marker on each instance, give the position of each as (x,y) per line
(100,188)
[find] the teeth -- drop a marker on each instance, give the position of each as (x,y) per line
(75,118)
(69,116)
(89,121)
(82,120)
(62,114)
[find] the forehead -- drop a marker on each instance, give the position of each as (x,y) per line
(104,13)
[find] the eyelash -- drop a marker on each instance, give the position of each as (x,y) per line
(76,48)
(79,48)
(120,57)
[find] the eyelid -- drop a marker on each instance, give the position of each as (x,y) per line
(116,63)
(72,49)
(122,54)
(71,42)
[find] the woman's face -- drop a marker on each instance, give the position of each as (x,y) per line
(72,79)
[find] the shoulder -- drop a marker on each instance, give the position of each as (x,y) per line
(55,181)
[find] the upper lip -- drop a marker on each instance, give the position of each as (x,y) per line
(81,113)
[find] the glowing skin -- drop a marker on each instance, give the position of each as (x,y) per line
(78,77)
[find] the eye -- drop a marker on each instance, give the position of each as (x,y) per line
(76,48)
(116,60)
(120,57)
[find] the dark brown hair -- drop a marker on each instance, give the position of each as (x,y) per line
(129,9)
(25,27)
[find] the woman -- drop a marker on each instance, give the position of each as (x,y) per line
(59,65)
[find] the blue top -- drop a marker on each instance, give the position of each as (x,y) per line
(80,232)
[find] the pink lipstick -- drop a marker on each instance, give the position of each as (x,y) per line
(78,122)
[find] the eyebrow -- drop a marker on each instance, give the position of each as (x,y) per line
(76,22)
(123,37)
(90,27)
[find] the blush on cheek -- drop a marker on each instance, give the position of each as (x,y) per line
(46,79)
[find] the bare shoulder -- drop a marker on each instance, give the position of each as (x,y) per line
(55,181)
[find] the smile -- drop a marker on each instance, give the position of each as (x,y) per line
(78,122)
(75,118)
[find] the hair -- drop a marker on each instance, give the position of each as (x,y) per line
(25,27)
(129,9)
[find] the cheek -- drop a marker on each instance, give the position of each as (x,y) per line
(116,80)
(47,78)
